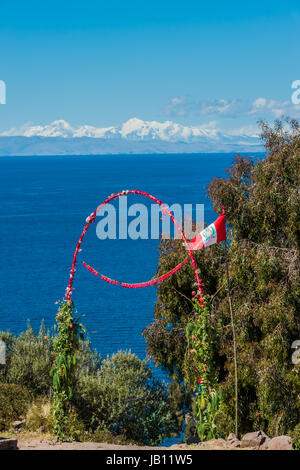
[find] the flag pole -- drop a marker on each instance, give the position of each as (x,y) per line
(233,334)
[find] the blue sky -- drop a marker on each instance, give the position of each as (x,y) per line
(194,62)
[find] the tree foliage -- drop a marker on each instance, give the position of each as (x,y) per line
(262,200)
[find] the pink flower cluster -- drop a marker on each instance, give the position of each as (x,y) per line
(197,295)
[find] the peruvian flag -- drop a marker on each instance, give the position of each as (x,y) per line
(214,233)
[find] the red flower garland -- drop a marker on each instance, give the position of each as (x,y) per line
(139,284)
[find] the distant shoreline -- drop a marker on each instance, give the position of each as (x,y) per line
(195,154)
(48,146)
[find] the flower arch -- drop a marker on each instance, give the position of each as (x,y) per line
(66,342)
(165,210)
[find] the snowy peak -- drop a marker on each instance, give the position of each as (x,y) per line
(57,128)
(169,131)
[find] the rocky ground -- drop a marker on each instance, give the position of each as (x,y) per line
(257,440)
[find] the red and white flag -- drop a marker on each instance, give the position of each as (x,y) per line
(214,233)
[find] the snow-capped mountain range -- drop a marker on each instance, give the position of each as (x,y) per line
(133,129)
(133,136)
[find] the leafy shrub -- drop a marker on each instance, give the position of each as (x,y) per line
(29,358)
(88,360)
(295,435)
(122,398)
(116,398)
(14,401)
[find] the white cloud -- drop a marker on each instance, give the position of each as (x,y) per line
(274,108)
(261,108)
(249,131)
(184,106)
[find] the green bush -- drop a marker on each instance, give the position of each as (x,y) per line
(28,360)
(116,398)
(122,398)
(295,435)
(14,402)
